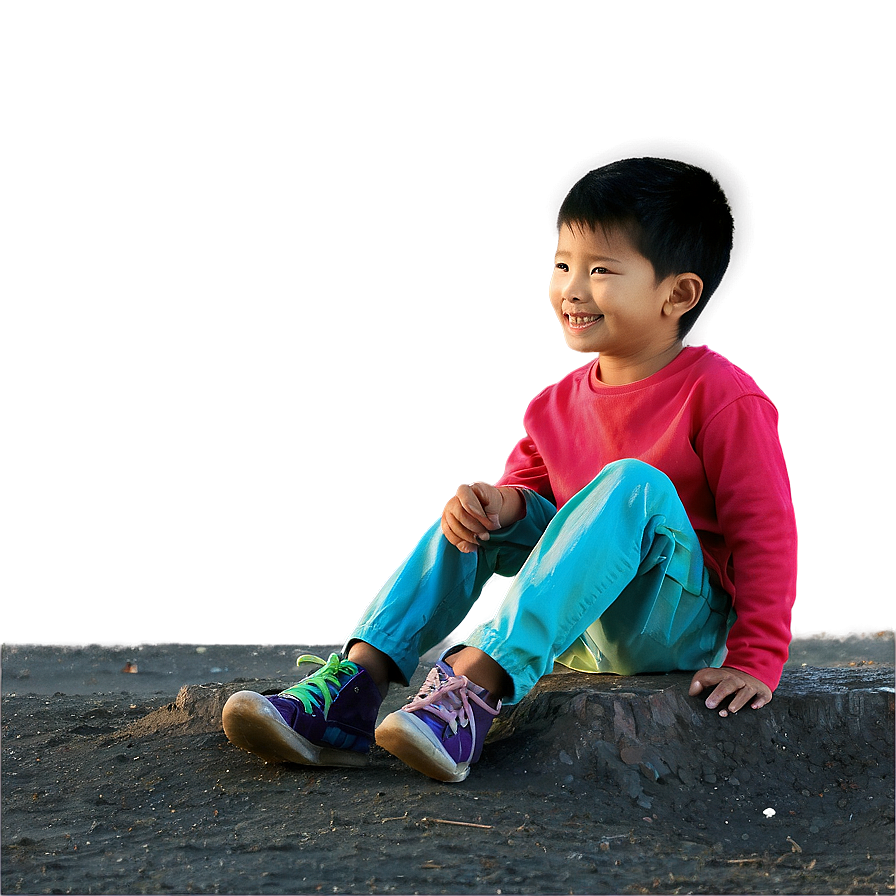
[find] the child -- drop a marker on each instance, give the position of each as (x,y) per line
(646,514)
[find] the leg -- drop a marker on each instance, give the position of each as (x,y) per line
(618,577)
(622,553)
(480,668)
(378,665)
(328,718)
(433,590)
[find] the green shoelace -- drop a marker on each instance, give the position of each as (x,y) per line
(314,691)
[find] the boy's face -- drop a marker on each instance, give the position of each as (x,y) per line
(606,296)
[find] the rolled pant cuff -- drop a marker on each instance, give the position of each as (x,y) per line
(524,676)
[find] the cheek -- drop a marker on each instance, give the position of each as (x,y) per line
(555,295)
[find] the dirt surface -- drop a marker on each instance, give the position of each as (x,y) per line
(117,782)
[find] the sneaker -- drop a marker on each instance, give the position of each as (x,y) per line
(440,732)
(326,719)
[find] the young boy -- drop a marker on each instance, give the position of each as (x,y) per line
(646,514)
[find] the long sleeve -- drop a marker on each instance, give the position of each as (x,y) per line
(745,470)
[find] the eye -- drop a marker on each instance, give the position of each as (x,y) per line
(561,266)
(600,271)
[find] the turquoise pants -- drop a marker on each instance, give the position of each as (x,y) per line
(612,582)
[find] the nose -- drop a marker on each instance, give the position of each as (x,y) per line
(569,286)
(573,291)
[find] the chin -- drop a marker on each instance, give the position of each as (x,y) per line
(580,347)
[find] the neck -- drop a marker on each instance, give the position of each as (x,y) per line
(620,371)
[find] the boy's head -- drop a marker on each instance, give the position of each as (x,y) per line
(672,213)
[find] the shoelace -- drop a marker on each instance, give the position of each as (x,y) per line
(314,691)
(447,697)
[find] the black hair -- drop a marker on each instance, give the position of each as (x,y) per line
(676,215)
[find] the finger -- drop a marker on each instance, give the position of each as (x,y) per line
(761,699)
(705,678)
(474,501)
(741,698)
(449,535)
(723,689)
(465,506)
(463,546)
(457,533)
(470,522)
(490,499)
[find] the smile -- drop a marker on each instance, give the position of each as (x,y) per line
(582,321)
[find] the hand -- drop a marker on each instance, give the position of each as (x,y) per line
(471,514)
(728,682)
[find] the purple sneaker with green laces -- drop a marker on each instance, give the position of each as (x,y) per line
(326,719)
(440,732)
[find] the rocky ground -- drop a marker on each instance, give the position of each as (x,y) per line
(122,782)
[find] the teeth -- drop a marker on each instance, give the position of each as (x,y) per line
(582,320)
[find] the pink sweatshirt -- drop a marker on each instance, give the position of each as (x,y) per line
(713,432)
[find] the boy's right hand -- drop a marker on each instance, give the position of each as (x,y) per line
(468,517)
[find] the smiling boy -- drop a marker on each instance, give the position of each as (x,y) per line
(608,300)
(646,514)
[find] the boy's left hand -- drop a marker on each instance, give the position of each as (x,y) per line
(728,682)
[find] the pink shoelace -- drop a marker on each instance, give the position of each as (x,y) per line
(448,698)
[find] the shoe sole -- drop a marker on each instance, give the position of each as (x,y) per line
(252,724)
(409,740)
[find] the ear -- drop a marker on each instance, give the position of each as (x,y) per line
(684,293)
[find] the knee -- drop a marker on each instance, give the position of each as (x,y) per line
(623,486)
(630,469)
(634,481)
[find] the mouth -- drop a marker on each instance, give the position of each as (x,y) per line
(579,322)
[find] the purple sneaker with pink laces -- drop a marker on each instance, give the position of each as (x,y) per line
(440,732)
